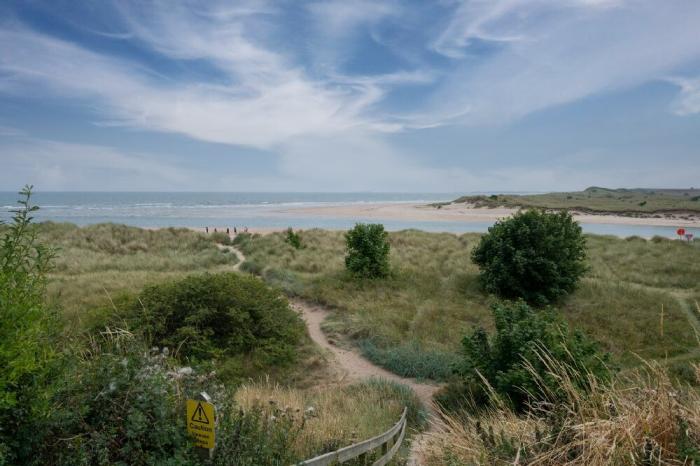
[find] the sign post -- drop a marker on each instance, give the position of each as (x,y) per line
(201,424)
(680,232)
(689,236)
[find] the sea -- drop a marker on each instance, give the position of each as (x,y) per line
(254,210)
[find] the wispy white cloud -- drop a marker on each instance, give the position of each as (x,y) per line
(558,53)
(688,101)
(494,61)
(263,101)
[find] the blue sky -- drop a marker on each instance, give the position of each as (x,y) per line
(433,96)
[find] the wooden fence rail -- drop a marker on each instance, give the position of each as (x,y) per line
(389,442)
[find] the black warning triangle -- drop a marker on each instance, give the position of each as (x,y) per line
(199,415)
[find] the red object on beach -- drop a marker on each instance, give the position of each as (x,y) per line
(680,231)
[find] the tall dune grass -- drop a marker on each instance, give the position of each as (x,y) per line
(101,261)
(639,419)
(432,298)
(334,417)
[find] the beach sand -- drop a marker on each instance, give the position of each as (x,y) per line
(467,213)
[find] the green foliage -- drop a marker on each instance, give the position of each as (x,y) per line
(294,239)
(252,438)
(119,404)
(511,360)
(367,251)
(534,255)
(220,237)
(410,360)
(210,315)
(124,404)
(26,328)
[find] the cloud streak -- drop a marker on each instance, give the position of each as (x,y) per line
(248,75)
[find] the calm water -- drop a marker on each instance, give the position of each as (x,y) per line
(252,210)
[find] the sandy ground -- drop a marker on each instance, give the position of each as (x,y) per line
(466,213)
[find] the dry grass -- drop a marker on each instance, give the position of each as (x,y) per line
(106,259)
(641,419)
(333,417)
(433,299)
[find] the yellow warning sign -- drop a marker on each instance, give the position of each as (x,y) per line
(200,423)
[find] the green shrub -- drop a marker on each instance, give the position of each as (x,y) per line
(511,360)
(118,404)
(26,330)
(293,238)
(124,404)
(534,255)
(367,251)
(210,315)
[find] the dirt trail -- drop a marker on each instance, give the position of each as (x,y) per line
(239,254)
(352,365)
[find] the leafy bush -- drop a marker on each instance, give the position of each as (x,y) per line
(124,404)
(210,315)
(367,251)
(26,328)
(513,360)
(119,404)
(534,255)
(293,238)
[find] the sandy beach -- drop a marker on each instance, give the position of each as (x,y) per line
(467,213)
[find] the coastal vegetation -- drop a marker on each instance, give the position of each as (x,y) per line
(119,326)
(533,255)
(639,418)
(513,362)
(600,200)
(367,251)
(104,380)
(637,296)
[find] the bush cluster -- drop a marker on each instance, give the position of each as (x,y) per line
(534,255)
(367,251)
(293,239)
(512,362)
(225,314)
(122,403)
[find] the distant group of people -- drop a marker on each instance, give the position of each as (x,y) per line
(228,230)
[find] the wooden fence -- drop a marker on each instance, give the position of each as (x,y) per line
(389,442)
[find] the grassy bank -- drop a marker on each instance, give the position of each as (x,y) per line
(100,270)
(413,321)
(101,261)
(600,200)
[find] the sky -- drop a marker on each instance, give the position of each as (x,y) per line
(349,95)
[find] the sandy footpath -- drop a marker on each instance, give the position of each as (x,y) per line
(466,213)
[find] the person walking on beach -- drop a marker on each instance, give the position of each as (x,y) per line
(214,229)
(227,232)
(234,231)
(206,229)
